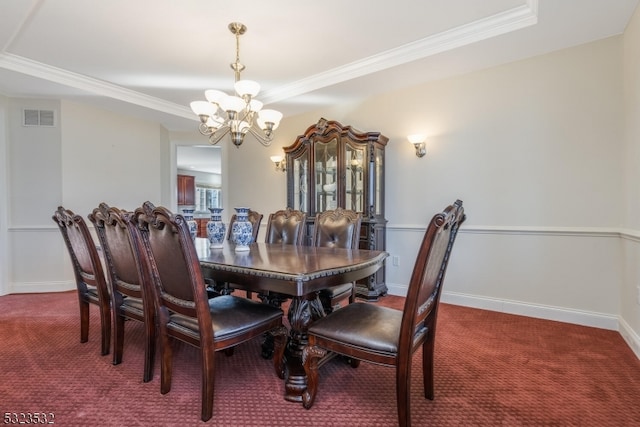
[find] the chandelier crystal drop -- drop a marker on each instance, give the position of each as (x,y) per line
(238,114)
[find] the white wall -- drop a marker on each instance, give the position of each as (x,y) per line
(107,157)
(4,198)
(534,149)
(538,150)
(630,292)
(92,156)
(34,190)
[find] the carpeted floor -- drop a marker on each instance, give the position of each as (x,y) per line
(492,369)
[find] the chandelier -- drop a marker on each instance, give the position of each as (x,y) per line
(238,114)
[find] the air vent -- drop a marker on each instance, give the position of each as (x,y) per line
(39,118)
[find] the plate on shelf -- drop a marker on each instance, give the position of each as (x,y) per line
(329,188)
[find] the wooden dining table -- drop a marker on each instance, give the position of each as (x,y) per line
(297,272)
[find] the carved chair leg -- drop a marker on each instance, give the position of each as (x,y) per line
(165,364)
(149,351)
(310,356)
(208,371)
(427,366)
(403,394)
(105,326)
(84,321)
(352,297)
(118,338)
(223,288)
(267,346)
(279,337)
(274,300)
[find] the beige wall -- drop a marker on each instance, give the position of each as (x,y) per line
(537,149)
(4,167)
(534,149)
(101,158)
(630,289)
(89,157)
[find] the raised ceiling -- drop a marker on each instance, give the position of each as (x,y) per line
(151,58)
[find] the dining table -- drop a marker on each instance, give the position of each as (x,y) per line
(295,272)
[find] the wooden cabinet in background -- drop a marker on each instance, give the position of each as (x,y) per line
(333,166)
(186,190)
(202,226)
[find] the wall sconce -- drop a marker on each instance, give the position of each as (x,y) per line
(418,142)
(280,163)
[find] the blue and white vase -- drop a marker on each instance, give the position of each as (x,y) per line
(242,230)
(192,223)
(216,229)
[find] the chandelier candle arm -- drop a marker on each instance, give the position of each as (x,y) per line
(237,114)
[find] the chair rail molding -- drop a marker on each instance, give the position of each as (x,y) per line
(531,230)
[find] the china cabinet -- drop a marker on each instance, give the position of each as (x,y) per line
(333,166)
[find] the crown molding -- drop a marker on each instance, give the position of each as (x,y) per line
(93,86)
(501,23)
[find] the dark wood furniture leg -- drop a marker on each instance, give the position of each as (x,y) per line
(302,312)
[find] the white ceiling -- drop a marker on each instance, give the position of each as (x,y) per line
(151,58)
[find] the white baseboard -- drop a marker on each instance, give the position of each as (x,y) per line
(560,314)
(41,287)
(632,339)
(578,317)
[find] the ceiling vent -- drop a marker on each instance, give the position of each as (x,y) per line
(38,118)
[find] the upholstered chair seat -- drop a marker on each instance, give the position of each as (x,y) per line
(371,328)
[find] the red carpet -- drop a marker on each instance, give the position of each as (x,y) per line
(492,369)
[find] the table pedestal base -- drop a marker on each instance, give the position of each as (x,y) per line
(302,312)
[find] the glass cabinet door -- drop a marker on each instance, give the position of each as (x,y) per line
(300,177)
(354,177)
(326,171)
(379,181)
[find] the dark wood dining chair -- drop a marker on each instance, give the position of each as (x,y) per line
(339,228)
(286,226)
(388,337)
(89,274)
(184,311)
(129,285)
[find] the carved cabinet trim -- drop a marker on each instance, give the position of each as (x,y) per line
(332,166)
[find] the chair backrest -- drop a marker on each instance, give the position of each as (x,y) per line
(339,228)
(87,266)
(425,286)
(286,226)
(120,254)
(170,256)
(255,219)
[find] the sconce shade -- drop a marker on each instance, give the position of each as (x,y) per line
(279,163)
(416,138)
(418,142)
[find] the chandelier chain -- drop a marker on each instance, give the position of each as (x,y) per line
(239,114)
